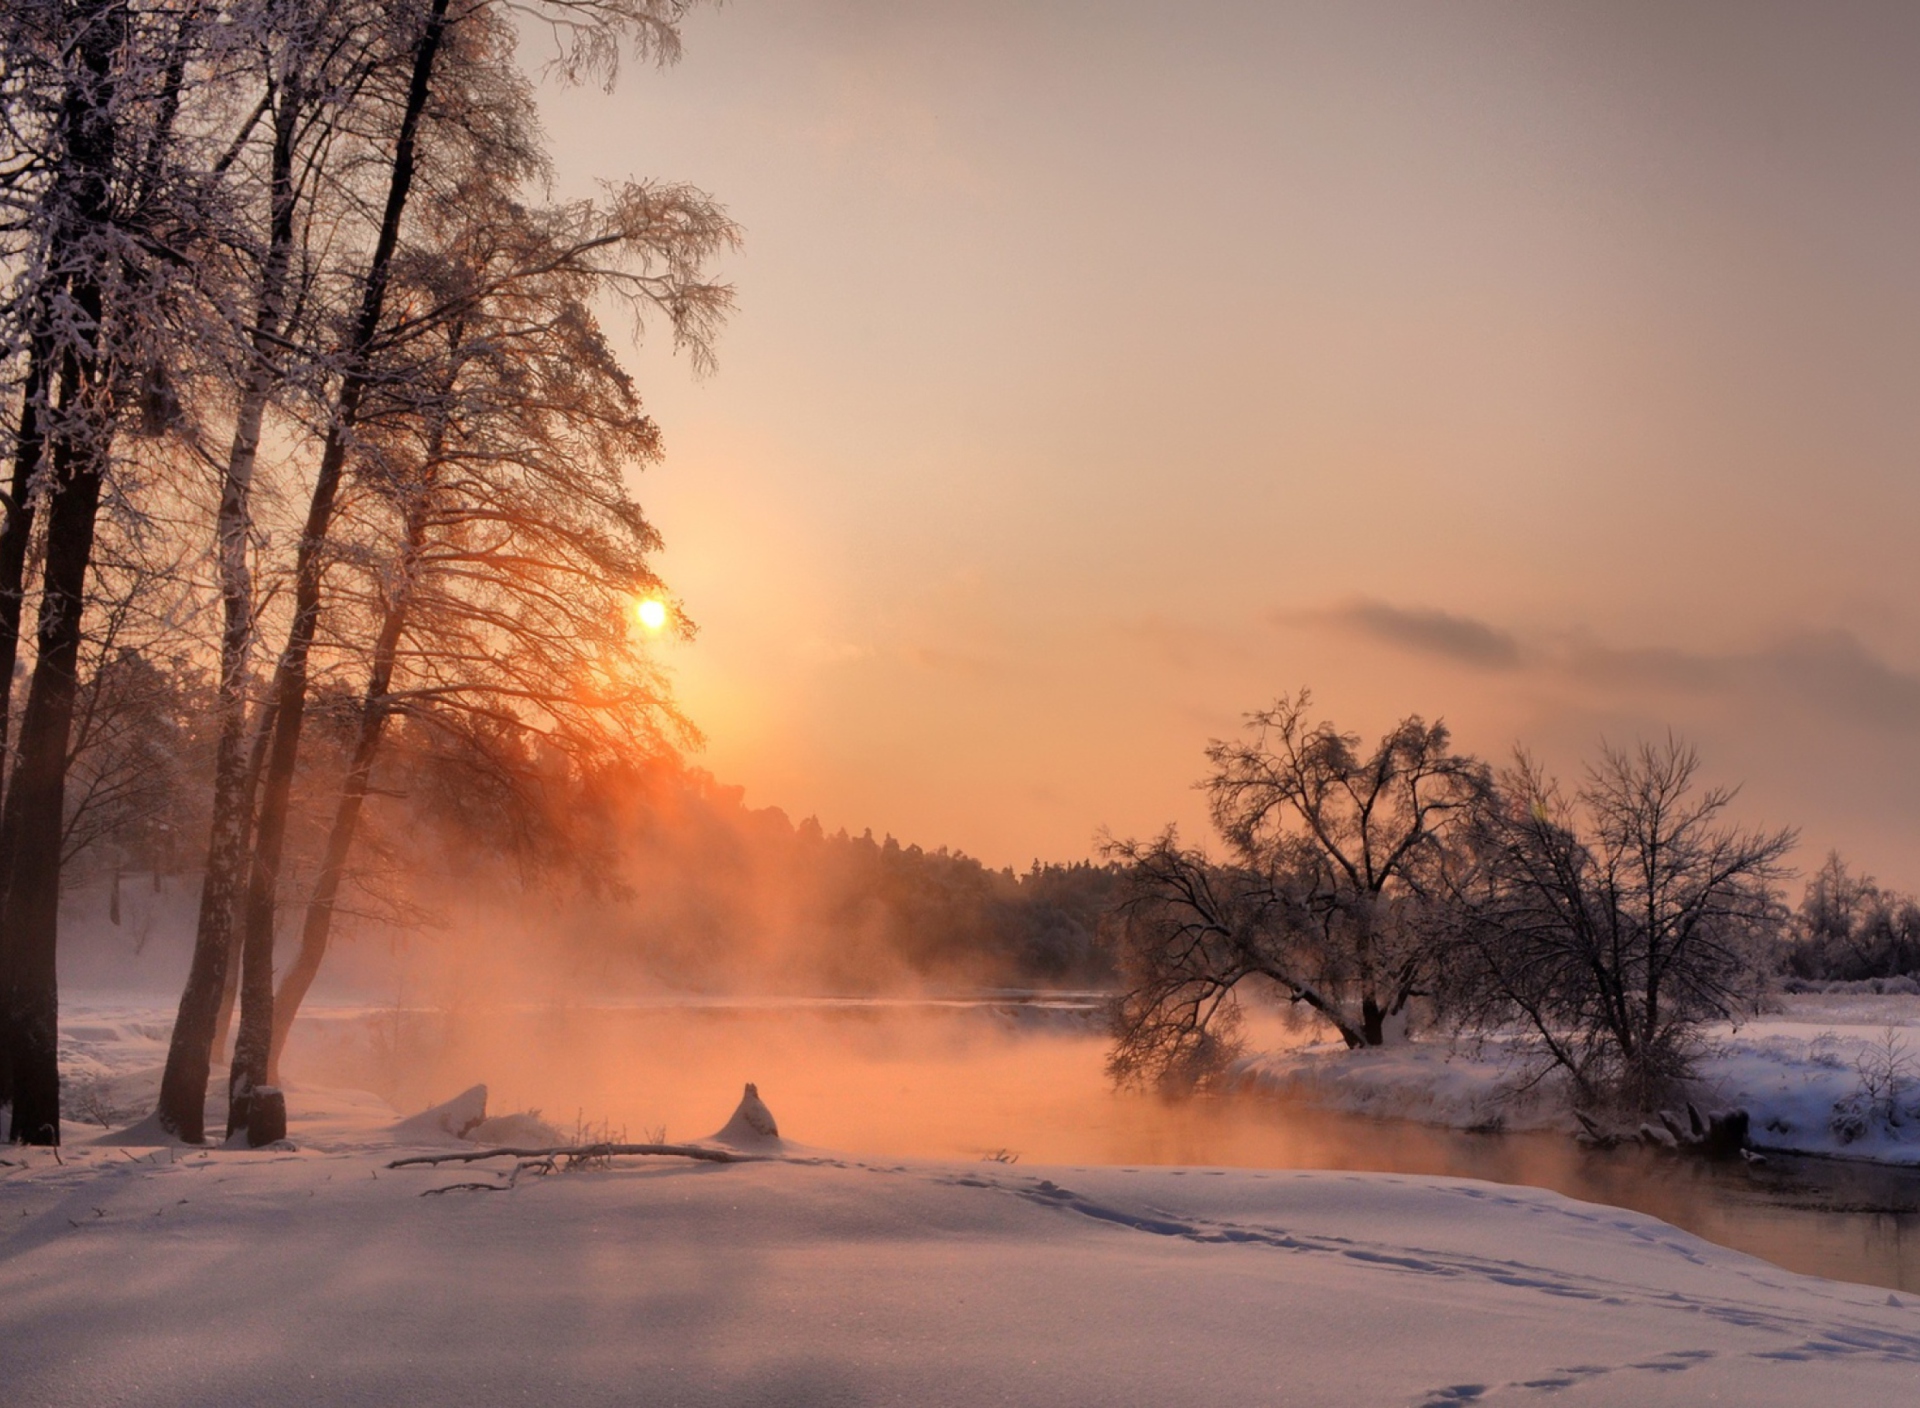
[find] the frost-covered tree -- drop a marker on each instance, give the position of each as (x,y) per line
(1325,896)
(326,72)
(499,552)
(107,214)
(1849,928)
(204,208)
(1612,923)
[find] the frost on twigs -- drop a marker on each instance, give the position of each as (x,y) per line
(1881,1101)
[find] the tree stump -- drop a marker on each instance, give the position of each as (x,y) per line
(266,1116)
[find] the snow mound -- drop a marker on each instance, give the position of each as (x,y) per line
(522,1130)
(1429,1083)
(146,1134)
(752,1125)
(454,1119)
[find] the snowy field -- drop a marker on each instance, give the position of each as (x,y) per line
(1834,1074)
(319,1275)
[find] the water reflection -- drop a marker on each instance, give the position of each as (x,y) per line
(969,1080)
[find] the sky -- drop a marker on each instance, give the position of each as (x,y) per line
(1103,370)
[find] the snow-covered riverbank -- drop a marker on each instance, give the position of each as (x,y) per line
(319,1275)
(1834,1074)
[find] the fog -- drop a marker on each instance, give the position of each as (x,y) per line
(907,1078)
(564,1018)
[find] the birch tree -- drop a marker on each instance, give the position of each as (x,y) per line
(319,65)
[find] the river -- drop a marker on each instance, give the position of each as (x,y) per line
(1024,1081)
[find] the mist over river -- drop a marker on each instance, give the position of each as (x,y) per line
(1022,1078)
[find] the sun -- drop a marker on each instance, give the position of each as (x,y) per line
(651,612)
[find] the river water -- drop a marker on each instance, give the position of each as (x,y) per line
(1019,1080)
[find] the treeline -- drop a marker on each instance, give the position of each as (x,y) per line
(1850,930)
(311,424)
(1601,925)
(716,894)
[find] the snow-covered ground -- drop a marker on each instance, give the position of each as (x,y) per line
(1832,1074)
(317,1274)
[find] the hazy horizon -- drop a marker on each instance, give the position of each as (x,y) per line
(1100,374)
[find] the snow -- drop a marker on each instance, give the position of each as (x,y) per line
(1829,1074)
(751,1127)
(316,1274)
(321,1276)
(447,1122)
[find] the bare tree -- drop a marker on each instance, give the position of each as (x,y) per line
(1614,923)
(498,461)
(319,65)
(136,758)
(461,67)
(1326,896)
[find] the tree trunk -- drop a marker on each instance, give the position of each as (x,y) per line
(29,917)
(14,539)
(197,1028)
(318,927)
(374,711)
(230,995)
(33,818)
(18,531)
(1373,1027)
(254,1043)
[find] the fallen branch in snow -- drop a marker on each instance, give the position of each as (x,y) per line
(537,1165)
(707,1153)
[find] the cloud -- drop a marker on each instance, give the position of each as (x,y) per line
(1458,638)
(1829,672)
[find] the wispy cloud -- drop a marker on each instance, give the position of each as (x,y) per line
(1461,639)
(1831,673)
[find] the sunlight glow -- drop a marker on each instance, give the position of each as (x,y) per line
(651,613)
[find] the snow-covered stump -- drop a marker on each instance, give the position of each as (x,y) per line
(751,1126)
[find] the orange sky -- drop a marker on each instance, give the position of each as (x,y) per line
(1102,370)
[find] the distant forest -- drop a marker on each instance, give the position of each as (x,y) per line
(655,868)
(717,892)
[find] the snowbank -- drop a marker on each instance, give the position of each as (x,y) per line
(1834,1073)
(306,1277)
(1430,1082)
